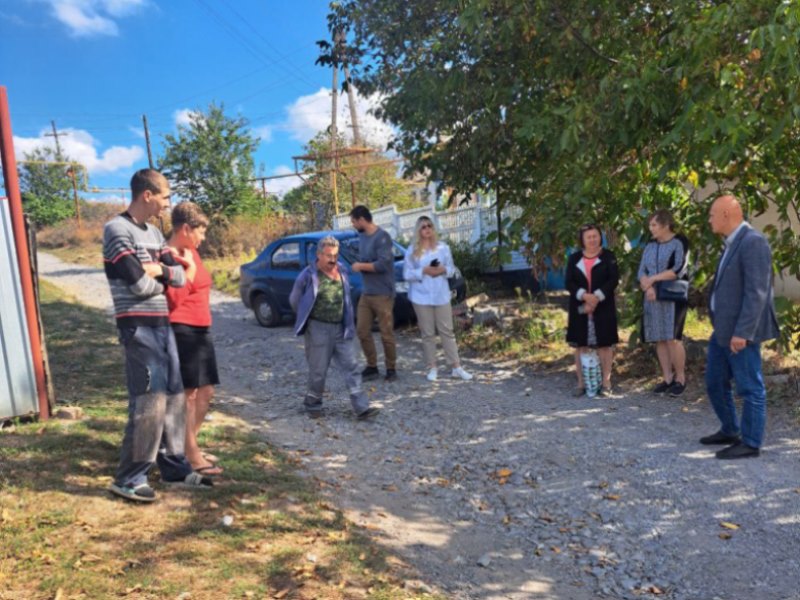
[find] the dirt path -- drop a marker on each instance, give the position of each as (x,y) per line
(507,487)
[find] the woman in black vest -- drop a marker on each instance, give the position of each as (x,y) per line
(592,276)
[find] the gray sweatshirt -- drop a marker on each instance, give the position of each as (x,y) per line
(378,250)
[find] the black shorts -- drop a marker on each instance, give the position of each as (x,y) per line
(196,353)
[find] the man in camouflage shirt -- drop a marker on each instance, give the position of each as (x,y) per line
(321,299)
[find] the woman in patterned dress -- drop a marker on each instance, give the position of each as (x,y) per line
(665,258)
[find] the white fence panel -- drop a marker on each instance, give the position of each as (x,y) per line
(468,224)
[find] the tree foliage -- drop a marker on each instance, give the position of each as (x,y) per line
(358,180)
(47,195)
(210,162)
(578,110)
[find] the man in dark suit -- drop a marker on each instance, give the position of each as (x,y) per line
(743,316)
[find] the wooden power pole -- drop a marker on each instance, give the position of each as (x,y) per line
(55,135)
(147,141)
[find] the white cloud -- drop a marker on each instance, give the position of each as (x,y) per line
(80,146)
(183,116)
(263,133)
(86,18)
(284,184)
(137,131)
(309,115)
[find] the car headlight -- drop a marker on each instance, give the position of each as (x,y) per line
(401,287)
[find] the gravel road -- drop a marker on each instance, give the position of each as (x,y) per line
(508,487)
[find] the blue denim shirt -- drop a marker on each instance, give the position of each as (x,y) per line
(304,294)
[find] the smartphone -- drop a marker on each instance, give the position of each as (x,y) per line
(435,262)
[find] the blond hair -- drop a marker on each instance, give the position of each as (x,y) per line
(417,243)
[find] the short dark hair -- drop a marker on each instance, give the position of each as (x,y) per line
(188,213)
(361,212)
(663,217)
(588,227)
(146,180)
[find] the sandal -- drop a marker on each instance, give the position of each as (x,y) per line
(210,457)
(209,470)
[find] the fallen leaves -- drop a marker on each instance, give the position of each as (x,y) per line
(612,497)
(728,525)
(502,475)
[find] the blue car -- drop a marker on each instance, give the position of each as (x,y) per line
(266,282)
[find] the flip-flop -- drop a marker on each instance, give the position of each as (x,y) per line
(210,457)
(209,470)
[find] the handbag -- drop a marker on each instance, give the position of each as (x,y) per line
(676,290)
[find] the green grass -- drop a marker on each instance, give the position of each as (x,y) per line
(62,533)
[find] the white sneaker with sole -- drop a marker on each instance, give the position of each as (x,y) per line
(432,375)
(462,374)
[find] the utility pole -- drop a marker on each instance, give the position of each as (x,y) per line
(55,135)
(147,141)
(71,173)
(352,102)
(337,37)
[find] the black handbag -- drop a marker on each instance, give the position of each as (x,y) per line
(676,290)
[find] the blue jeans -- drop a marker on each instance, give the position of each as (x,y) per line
(156,427)
(744,368)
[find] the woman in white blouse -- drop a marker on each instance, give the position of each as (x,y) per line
(427,266)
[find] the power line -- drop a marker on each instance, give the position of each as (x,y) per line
(244,42)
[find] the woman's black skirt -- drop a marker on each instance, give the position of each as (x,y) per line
(196,353)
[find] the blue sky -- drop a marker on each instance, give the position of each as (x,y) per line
(96,66)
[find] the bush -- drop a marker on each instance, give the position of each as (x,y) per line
(473,261)
(67,234)
(246,234)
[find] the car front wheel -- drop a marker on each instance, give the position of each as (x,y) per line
(266,311)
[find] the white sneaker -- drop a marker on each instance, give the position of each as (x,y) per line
(459,372)
(432,375)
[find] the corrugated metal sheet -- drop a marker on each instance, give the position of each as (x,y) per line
(17,380)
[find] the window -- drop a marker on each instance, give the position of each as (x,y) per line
(287,257)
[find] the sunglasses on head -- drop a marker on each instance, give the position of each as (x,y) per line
(426,226)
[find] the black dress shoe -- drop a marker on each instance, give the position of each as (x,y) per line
(738,450)
(391,375)
(719,438)
(662,387)
(370,373)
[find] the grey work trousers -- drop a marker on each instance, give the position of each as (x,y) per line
(156,426)
(325,341)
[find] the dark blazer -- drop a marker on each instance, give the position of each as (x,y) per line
(742,290)
(605,277)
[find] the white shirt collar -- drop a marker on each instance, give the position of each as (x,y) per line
(734,233)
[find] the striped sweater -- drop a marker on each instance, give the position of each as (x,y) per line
(139,299)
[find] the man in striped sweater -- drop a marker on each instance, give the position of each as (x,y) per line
(139,267)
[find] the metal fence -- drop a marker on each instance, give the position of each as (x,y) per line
(17,381)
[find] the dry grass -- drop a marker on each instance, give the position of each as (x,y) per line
(63,536)
(536,338)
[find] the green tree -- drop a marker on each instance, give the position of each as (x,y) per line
(576,110)
(47,195)
(210,162)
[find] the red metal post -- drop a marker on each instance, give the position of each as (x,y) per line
(21,242)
